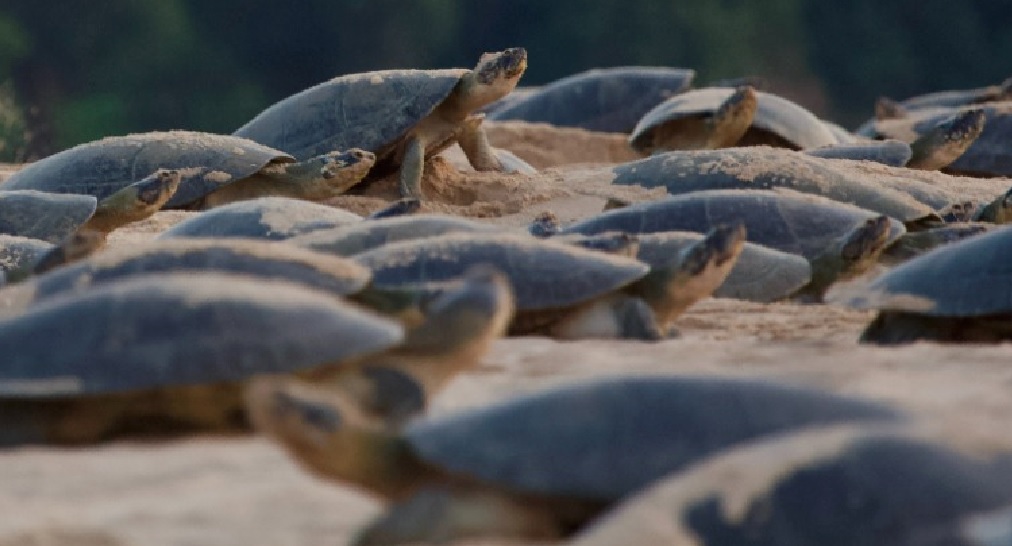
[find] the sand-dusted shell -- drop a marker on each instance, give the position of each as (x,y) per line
(364,236)
(269,218)
(50,217)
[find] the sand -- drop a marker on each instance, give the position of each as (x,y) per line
(217,491)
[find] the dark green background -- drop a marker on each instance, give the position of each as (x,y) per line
(76,70)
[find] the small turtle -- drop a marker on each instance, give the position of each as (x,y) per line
(536,466)
(957,98)
(403,116)
(355,238)
(564,291)
(985,155)
(694,120)
(162,353)
(269,218)
(215,169)
(605,99)
(958,293)
(841,485)
(763,168)
(840,241)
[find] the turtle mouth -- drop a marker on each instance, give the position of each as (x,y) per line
(507,64)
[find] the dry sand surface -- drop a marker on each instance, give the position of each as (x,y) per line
(211,491)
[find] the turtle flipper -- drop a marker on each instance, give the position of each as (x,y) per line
(134,202)
(445,515)
(79,245)
(732,119)
(944,143)
(406,205)
(852,254)
(474,143)
(616,317)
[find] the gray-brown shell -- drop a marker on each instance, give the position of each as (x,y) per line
(50,217)
(205,161)
(543,274)
(372,111)
(763,168)
(605,99)
(785,220)
(162,330)
(788,123)
(259,259)
(268,218)
(364,236)
(17,253)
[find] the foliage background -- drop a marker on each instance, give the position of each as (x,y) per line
(77,70)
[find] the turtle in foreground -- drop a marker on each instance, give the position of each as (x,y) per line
(692,120)
(403,116)
(842,485)
(158,354)
(215,169)
(358,237)
(958,293)
(536,466)
(605,99)
(840,241)
(564,291)
(268,218)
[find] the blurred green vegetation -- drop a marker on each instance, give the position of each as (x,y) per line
(75,70)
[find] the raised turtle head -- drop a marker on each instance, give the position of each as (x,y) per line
(947,140)
(493,78)
(352,163)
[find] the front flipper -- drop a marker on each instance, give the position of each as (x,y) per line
(474,142)
(412,166)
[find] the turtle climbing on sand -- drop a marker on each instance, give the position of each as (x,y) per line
(214,169)
(403,116)
(537,466)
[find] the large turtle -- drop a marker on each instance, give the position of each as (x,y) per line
(564,291)
(961,292)
(215,169)
(535,466)
(604,99)
(840,241)
(360,237)
(403,116)
(689,120)
(269,218)
(838,486)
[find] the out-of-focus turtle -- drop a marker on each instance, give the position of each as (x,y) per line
(763,168)
(18,253)
(564,291)
(605,99)
(45,216)
(686,121)
(269,218)
(403,116)
(958,293)
(215,169)
(958,97)
(400,207)
(841,485)
(986,155)
(359,237)
(840,241)
(536,466)
(163,353)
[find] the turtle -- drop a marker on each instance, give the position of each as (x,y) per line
(866,483)
(985,156)
(690,120)
(44,216)
(564,291)
(892,152)
(840,241)
(161,354)
(135,202)
(358,237)
(403,116)
(268,218)
(215,169)
(957,293)
(20,253)
(538,465)
(954,98)
(763,168)
(609,100)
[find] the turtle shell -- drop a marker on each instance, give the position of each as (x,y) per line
(543,274)
(892,152)
(845,485)
(40,215)
(205,162)
(371,110)
(967,278)
(760,274)
(784,220)
(246,257)
(790,124)
(360,237)
(603,440)
(17,253)
(163,330)
(606,99)
(763,168)
(268,218)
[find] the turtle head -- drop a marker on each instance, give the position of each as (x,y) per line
(349,163)
(502,66)
(865,242)
(947,140)
(721,245)
(887,108)
(158,189)
(545,224)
